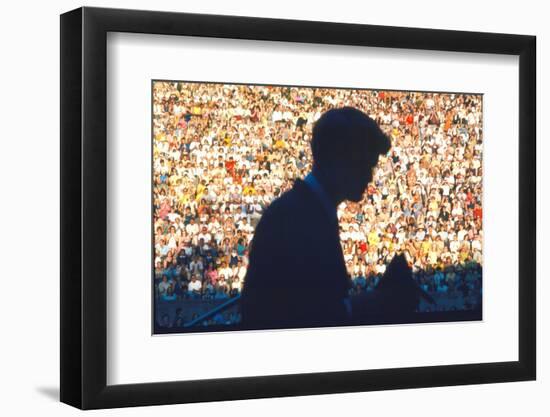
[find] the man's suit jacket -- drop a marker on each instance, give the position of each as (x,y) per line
(296,276)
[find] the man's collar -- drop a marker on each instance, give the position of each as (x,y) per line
(314,184)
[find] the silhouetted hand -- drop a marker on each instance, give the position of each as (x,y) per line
(395,297)
(398,289)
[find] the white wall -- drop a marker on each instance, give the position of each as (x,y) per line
(29,168)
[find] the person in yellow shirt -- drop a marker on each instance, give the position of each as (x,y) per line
(373,238)
(395,133)
(201,187)
(433,255)
(394,245)
(464,254)
(249,190)
(280,144)
(184,197)
(425,246)
(433,205)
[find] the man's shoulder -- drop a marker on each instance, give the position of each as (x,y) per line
(295,200)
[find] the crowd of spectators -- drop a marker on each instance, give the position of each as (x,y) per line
(222,153)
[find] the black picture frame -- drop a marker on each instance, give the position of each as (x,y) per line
(84,207)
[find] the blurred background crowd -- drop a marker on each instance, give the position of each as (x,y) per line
(222,153)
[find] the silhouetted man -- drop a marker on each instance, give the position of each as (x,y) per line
(297,276)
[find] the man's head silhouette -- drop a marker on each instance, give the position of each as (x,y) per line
(346,145)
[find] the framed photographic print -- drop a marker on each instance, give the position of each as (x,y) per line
(291,207)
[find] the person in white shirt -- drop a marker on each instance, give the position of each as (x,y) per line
(192,228)
(163,286)
(241,270)
(204,235)
(380,267)
(226,271)
(194,287)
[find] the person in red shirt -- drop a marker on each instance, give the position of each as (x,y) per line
(230,166)
(478,212)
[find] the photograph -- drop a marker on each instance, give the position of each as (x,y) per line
(275,209)
(299,203)
(287,206)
